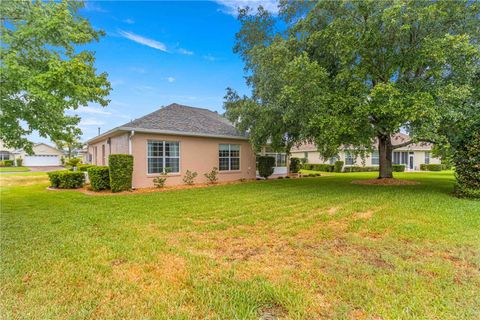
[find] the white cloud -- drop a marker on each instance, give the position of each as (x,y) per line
(93,6)
(185,51)
(209,57)
(91,122)
(145,41)
(92,110)
(231,6)
(170,79)
(129,21)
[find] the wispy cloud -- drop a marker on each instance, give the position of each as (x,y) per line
(231,6)
(170,79)
(91,122)
(185,51)
(129,21)
(144,41)
(92,110)
(93,6)
(138,70)
(209,57)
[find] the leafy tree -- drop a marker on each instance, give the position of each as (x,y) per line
(42,72)
(70,142)
(355,73)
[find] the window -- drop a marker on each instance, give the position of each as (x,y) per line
(163,156)
(400,157)
(4,155)
(229,157)
(427,157)
(103,154)
(332,160)
(349,158)
(280,158)
(375,158)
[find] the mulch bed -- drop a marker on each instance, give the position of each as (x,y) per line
(385,182)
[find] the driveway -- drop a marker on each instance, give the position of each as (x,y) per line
(45,169)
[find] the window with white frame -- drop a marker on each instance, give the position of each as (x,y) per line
(349,158)
(228,157)
(400,157)
(427,157)
(375,157)
(163,156)
(280,158)
(4,155)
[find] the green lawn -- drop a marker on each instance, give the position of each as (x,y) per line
(311,248)
(14,169)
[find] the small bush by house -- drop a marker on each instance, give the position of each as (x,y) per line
(338,166)
(295,164)
(84,167)
(66,179)
(430,167)
(73,162)
(212,175)
(398,168)
(265,166)
(319,167)
(189,177)
(99,177)
(19,162)
(6,163)
(121,170)
(360,169)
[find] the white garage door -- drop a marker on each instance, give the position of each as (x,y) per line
(41,160)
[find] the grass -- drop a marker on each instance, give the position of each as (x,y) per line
(14,169)
(296,248)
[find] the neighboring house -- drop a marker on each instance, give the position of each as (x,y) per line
(412,156)
(178,138)
(43,155)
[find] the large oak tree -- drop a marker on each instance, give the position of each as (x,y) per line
(355,72)
(43,71)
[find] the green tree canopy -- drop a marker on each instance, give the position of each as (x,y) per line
(355,72)
(42,71)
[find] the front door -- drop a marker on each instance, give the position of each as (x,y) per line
(410,161)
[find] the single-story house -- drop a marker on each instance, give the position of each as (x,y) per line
(412,156)
(177,138)
(43,155)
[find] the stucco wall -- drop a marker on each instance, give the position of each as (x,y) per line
(118,145)
(196,154)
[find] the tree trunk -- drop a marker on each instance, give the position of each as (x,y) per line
(385,154)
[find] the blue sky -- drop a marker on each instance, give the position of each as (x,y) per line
(158,52)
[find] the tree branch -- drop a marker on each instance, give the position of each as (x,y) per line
(409,142)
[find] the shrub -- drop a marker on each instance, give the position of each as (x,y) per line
(398,167)
(431,167)
(360,169)
(99,177)
(319,167)
(212,175)
(84,167)
(73,162)
(338,166)
(19,162)
(295,165)
(189,177)
(121,170)
(8,163)
(66,179)
(265,166)
(467,164)
(160,180)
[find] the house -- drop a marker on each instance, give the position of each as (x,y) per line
(177,138)
(43,155)
(412,156)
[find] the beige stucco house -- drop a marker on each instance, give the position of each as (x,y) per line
(43,155)
(412,156)
(179,138)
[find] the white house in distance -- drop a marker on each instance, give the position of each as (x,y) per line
(44,155)
(412,156)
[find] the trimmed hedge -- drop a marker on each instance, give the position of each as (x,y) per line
(6,163)
(360,169)
(295,165)
(84,167)
(19,162)
(398,167)
(121,170)
(319,167)
(265,166)
(430,167)
(338,166)
(99,177)
(66,179)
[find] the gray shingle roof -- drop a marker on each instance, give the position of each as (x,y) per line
(185,119)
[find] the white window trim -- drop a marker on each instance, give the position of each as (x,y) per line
(275,155)
(354,157)
(229,157)
(163,157)
(377,157)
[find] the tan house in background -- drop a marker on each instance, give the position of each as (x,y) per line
(43,155)
(412,156)
(178,138)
